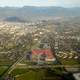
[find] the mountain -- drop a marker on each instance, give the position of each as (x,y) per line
(31,12)
(13,19)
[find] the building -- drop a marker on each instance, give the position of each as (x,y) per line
(45,55)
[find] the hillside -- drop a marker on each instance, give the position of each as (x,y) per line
(31,12)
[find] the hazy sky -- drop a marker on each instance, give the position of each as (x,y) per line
(65,3)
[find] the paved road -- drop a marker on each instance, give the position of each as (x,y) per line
(46,66)
(14,65)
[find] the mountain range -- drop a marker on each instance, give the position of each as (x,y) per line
(31,12)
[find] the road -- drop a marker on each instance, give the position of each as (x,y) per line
(12,67)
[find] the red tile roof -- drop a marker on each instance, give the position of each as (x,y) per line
(47,52)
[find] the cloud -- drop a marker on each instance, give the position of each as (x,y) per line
(69,2)
(65,3)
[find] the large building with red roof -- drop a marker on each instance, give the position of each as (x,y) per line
(42,55)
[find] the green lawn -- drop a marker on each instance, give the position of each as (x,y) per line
(36,74)
(18,71)
(69,62)
(24,74)
(31,75)
(5,62)
(2,69)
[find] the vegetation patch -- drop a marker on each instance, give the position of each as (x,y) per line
(2,69)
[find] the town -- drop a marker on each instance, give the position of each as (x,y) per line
(39,48)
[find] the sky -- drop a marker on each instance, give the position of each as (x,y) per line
(20,3)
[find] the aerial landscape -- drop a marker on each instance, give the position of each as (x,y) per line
(39,40)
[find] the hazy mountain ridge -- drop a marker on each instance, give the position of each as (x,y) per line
(28,12)
(13,19)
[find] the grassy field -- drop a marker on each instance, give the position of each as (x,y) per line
(26,74)
(18,71)
(2,69)
(36,74)
(5,62)
(31,75)
(69,62)
(4,65)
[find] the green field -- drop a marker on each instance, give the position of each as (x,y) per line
(2,69)
(6,62)
(26,74)
(70,62)
(36,74)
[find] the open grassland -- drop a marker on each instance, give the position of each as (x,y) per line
(2,69)
(70,62)
(37,74)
